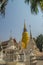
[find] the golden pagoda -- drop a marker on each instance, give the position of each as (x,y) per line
(25,37)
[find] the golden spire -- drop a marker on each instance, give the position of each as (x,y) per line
(25,26)
(25,37)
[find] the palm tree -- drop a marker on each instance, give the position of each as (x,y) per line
(34,4)
(3,3)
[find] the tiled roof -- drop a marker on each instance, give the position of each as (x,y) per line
(6,42)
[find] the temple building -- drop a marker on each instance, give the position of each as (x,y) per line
(8,48)
(10,51)
(19,52)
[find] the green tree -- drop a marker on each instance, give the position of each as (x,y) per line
(39,42)
(34,4)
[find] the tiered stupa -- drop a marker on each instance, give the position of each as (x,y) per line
(25,37)
(32,44)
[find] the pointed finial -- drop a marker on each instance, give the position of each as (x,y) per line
(25,26)
(30,32)
(10,34)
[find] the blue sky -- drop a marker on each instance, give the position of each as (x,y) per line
(16,12)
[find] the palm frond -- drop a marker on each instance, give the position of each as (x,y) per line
(27,1)
(3,6)
(34,5)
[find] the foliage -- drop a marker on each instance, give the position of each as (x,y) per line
(3,4)
(39,42)
(34,4)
